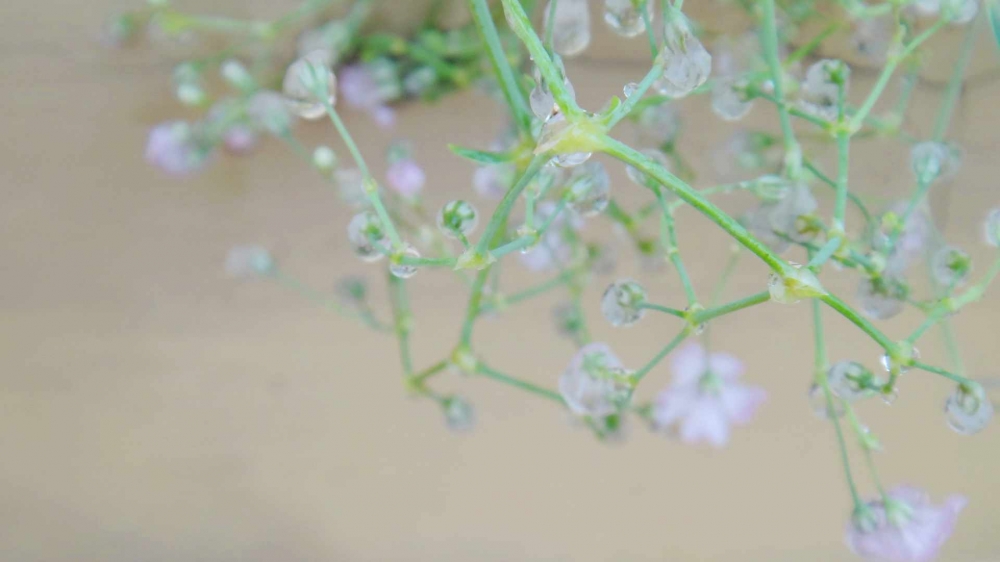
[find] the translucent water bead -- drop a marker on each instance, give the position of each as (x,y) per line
(543,104)
(881,298)
(969,410)
(625,17)
(367,236)
(686,63)
(570,26)
(595,383)
(248,261)
(310,86)
(642,179)
(823,408)
(620,303)
(457,219)
(588,189)
(729,100)
(850,380)
(951,266)
(400,269)
(991,228)
(872,37)
(820,88)
(458,414)
(796,284)
(794,201)
(658,125)
(932,160)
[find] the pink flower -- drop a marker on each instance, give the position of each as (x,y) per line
(705,398)
(240,139)
(360,90)
(406,177)
(174,148)
(912,529)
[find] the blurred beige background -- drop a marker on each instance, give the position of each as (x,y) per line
(151,409)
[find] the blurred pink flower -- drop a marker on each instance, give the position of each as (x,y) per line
(912,529)
(706,398)
(359,90)
(173,147)
(406,177)
(240,139)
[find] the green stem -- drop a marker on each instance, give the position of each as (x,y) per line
(729,308)
(521,25)
(319,298)
(503,209)
(475,302)
(955,83)
(769,41)
(668,237)
(501,65)
(400,303)
(521,384)
(421,377)
(858,320)
(641,373)
(821,364)
(660,308)
(648,21)
(647,166)
(887,71)
(943,372)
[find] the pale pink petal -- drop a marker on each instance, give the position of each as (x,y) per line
(406,177)
(917,538)
(705,423)
(741,401)
(673,404)
(688,364)
(384,116)
(727,367)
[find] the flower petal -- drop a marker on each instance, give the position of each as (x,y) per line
(706,422)
(740,401)
(688,364)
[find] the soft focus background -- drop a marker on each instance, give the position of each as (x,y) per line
(152,409)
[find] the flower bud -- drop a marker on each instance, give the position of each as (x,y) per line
(968,409)
(620,303)
(366,234)
(457,219)
(309,86)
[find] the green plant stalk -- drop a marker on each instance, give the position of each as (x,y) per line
(821,366)
(501,66)
(550,26)
(853,198)
(859,431)
(503,209)
(944,373)
(526,241)
(475,302)
(858,320)
(955,83)
(668,237)
(843,164)
(729,308)
(420,378)
(651,169)
(315,296)
(400,302)
(678,339)
(648,21)
(824,253)
(887,72)
(520,384)
(661,308)
(521,25)
(769,42)
(625,109)
(371,190)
